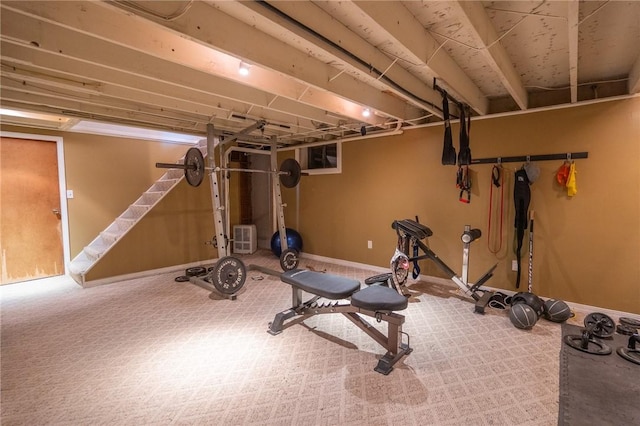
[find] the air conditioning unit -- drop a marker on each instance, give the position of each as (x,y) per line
(245,239)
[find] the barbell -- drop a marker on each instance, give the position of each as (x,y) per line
(194,169)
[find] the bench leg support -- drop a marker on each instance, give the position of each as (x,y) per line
(392,342)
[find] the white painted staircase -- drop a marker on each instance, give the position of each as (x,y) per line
(107,239)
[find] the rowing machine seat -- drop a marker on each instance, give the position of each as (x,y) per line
(412,228)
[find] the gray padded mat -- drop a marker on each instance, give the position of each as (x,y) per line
(598,389)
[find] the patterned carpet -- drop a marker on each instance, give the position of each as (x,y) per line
(155,351)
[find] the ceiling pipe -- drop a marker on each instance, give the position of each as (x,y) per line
(396,131)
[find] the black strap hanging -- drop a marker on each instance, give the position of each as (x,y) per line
(497,180)
(416,267)
(521,198)
(448,151)
(464,156)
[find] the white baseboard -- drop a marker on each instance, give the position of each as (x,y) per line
(143,274)
(576,307)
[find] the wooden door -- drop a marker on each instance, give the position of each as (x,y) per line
(30,221)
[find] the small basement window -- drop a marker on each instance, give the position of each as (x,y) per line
(321,159)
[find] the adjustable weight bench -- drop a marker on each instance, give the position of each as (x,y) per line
(375,301)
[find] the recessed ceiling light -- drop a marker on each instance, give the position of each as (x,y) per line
(243,69)
(366,112)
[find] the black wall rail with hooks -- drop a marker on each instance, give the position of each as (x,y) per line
(543,157)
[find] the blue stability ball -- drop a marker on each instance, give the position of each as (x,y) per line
(294,241)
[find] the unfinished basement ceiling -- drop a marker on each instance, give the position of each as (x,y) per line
(314,66)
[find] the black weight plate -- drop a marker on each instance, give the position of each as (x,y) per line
(631,322)
(291,173)
(382,278)
(626,330)
(601,325)
(181,279)
(196,271)
(194,172)
(289,260)
(228,275)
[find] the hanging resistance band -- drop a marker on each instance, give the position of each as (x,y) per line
(497,180)
(521,198)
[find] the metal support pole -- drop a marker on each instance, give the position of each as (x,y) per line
(278,199)
(465,258)
(218,214)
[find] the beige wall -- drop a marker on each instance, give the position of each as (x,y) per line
(586,247)
(108,174)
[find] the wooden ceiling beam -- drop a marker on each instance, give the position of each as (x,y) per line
(475,19)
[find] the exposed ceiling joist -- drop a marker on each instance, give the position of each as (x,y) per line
(475,18)
(634,77)
(316,65)
(278,68)
(27,62)
(401,26)
(313,29)
(108,22)
(104,62)
(573,7)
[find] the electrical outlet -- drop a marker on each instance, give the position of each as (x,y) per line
(514,265)
(370,244)
(69,193)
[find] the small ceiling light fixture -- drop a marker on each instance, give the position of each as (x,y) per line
(243,70)
(366,112)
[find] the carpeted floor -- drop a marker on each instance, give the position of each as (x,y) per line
(155,351)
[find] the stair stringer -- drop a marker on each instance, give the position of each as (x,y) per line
(112,234)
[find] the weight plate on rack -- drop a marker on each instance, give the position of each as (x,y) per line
(229,275)
(291,173)
(600,325)
(194,172)
(289,259)
(181,279)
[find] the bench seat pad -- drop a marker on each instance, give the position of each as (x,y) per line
(379,298)
(332,287)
